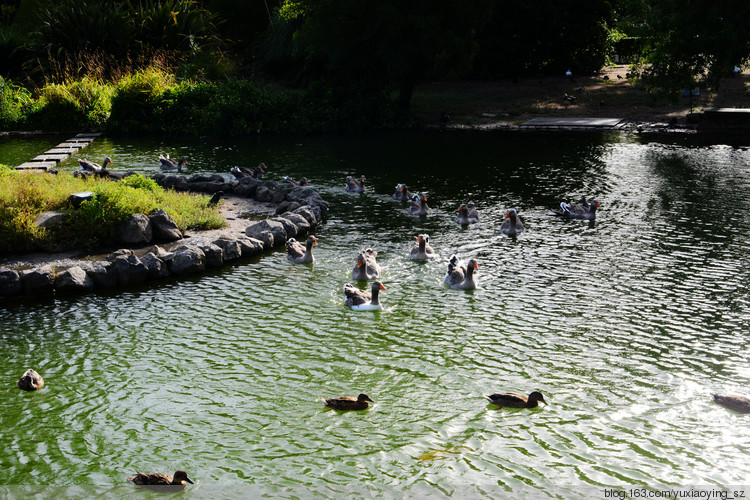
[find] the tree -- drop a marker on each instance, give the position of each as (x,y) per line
(372,45)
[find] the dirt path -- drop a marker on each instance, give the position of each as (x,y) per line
(607,94)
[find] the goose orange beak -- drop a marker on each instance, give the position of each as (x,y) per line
(359,262)
(382,287)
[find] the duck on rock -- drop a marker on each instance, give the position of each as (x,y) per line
(419,205)
(299,253)
(512,225)
(422,250)
(355,186)
(360,300)
(95,168)
(584,210)
(347,403)
(516,400)
(467,214)
(179,479)
(30,381)
(461,276)
(402,193)
(168,164)
(366,267)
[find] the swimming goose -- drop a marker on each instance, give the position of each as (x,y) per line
(459,276)
(179,479)
(355,186)
(512,224)
(299,253)
(366,268)
(94,167)
(516,400)
(348,403)
(736,403)
(576,211)
(419,205)
(30,381)
(466,216)
(402,193)
(422,250)
(360,300)
(167,163)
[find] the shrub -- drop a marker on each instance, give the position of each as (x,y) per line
(78,105)
(14,101)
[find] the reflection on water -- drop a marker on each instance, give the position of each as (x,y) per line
(625,324)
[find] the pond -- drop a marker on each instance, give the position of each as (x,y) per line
(626,324)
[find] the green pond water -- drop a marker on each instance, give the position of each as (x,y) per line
(626,325)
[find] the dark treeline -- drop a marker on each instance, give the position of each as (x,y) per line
(367,53)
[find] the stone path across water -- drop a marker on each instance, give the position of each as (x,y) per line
(49,159)
(574,123)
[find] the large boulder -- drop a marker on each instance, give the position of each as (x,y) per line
(251,246)
(74,279)
(214,254)
(136,230)
(231,249)
(102,274)
(164,228)
(49,219)
(273,226)
(37,281)
(157,268)
(310,214)
(10,283)
(290,229)
(187,259)
(129,269)
(299,222)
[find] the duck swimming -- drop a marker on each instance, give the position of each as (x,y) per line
(512,225)
(346,403)
(460,276)
(366,267)
(585,211)
(359,300)
(736,403)
(422,250)
(467,216)
(516,400)
(30,381)
(179,479)
(402,193)
(301,254)
(419,205)
(355,186)
(167,163)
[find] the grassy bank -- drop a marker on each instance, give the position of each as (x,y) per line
(25,195)
(155,101)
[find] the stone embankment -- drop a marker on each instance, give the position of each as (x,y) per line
(291,211)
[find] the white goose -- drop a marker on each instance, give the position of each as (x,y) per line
(359,300)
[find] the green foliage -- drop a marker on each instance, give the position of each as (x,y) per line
(14,101)
(23,196)
(77,105)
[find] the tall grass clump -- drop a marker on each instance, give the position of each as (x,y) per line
(139,100)
(83,104)
(14,101)
(24,196)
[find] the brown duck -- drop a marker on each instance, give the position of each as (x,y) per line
(30,381)
(299,253)
(179,479)
(516,400)
(346,403)
(736,403)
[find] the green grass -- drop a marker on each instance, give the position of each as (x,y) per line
(25,195)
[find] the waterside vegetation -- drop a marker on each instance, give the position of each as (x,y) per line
(26,195)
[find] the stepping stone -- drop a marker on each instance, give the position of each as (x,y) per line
(76,199)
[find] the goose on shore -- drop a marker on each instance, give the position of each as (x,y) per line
(366,267)
(460,276)
(516,400)
(302,182)
(90,166)
(512,225)
(355,186)
(422,250)
(360,300)
(346,403)
(299,253)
